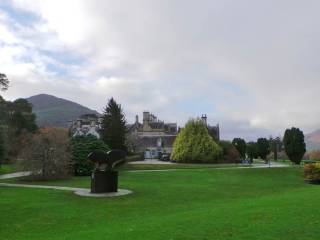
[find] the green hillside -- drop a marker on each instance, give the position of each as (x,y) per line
(56,112)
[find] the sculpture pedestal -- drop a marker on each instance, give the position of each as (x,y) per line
(104,181)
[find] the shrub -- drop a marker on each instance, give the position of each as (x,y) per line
(81,146)
(194,145)
(312,171)
(230,153)
(46,154)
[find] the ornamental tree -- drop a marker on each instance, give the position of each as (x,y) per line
(240,145)
(294,144)
(263,148)
(194,145)
(252,150)
(81,147)
(113,131)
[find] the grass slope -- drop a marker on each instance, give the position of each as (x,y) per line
(7,168)
(56,112)
(183,204)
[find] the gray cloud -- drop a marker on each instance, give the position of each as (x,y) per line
(250,65)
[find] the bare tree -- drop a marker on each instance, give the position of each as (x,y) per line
(46,154)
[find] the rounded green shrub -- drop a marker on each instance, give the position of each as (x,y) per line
(194,145)
(81,146)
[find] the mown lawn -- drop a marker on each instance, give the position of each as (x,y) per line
(182,204)
(7,168)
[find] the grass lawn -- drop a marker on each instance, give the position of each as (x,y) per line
(177,166)
(183,204)
(7,168)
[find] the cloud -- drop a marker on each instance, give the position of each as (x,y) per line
(250,65)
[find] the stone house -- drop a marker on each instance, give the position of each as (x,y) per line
(152,137)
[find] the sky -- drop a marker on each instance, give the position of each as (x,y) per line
(251,65)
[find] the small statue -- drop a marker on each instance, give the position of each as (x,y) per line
(105,175)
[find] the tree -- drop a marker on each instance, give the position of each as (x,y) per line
(263,148)
(46,154)
(81,146)
(4,82)
(273,144)
(194,145)
(252,150)
(230,153)
(240,145)
(3,144)
(21,116)
(113,129)
(294,144)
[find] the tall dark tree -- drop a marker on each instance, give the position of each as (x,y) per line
(113,129)
(3,144)
(240,145)
(4,82)
(294,144)
(20,121)
(21,117)
(252,150)
(263,148)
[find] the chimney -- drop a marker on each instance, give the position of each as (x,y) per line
(137,118)
(204,119)
(146,116)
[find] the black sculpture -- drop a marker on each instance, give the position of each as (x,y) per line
(105,175)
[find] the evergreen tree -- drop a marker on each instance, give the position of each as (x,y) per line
(294,144)
(3,144)
(240,145)
(4,82)
(194,145)
(252,150)
(263,148)
(113,131)
(81,146)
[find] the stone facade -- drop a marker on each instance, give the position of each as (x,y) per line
(85,125)
(152,137)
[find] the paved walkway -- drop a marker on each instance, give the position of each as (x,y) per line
(272,165)
(79,191)
(151,161)
(15,175)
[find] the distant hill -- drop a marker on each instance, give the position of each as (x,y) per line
(56,112)
(313,140)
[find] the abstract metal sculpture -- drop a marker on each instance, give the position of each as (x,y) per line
(105,175)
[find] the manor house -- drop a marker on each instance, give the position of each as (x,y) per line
(154,137)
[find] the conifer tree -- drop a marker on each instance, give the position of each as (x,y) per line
(113,130)
(294,144)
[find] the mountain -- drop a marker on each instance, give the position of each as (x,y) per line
(313,140)
(56,112)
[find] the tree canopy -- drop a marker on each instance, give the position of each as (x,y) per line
(263,148)
(4,82)
(252,150)
(240,145)
(81,146)
(194,145)
(294,144)
(113,131)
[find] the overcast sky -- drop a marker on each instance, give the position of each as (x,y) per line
(252,66)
